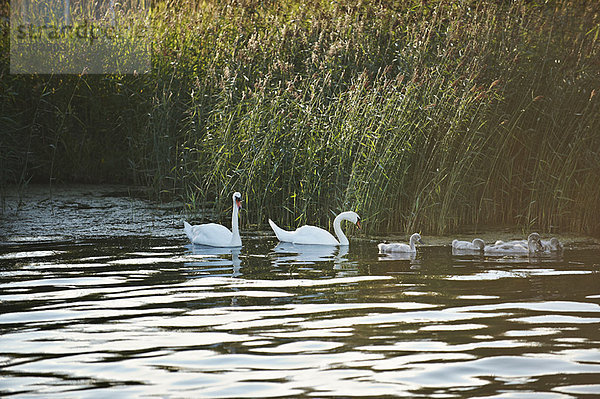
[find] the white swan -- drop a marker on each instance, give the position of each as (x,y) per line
(512,242)
(552,245)
(533,245)
(216,235)
(315,235)
(476,245)
(401,247)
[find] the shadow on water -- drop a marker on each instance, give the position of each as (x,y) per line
(141,315)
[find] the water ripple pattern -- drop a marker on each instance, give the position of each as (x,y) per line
(143,316)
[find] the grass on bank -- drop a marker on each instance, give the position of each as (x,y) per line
(419,116)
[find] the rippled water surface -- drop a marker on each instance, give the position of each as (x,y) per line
(143,314)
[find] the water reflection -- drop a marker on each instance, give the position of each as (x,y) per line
(216,257)
(401,260)
(398,256)
(134,319)
(466,252)
(287,255)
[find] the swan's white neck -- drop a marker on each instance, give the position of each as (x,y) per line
(337,228)
(533,245)
(412,243)
(236,241)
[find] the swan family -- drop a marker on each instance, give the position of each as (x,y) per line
(216,235)
(533,245)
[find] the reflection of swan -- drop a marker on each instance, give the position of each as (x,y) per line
(288,254)
(342,265)
(303,254)
(398,256)
(401,247)
(311,235)
(533,245)
(237,263)
(216,235)
(217,253)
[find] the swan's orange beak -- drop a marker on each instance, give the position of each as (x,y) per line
(358,224)
(238,202)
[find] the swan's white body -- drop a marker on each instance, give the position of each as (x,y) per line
(476,245)
(401,247)
(552,245)
(216,235)
(312,235)
(532,245)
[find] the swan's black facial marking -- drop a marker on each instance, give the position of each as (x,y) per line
(238,201)
(420,240)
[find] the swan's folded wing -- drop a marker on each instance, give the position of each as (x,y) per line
(506,249)
(458,244)
(395,247)
(313,235)
(211,234)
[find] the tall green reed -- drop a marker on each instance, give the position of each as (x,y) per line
(420,116)
(433,125)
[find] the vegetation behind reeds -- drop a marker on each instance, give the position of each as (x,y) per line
(420,116)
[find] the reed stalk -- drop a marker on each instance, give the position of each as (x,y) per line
(419,116)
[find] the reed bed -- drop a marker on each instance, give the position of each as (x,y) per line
(420,116)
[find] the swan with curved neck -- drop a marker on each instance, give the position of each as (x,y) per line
(312,235)
(401,247)
(216,235)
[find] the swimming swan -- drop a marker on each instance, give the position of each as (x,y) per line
(216,235)
(552,245)
(312,235)
(401,247)
(476,245)
(533,245)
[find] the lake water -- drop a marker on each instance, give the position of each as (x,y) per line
(102,296)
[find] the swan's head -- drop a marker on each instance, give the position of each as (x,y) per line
(555,244)
(478,243)
(351,217)
(535,241)
(416,238)
(237,200)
